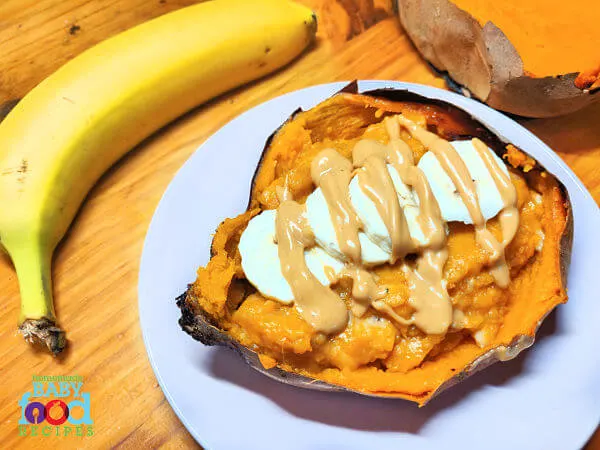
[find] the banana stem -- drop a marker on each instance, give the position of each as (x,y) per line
(38,321)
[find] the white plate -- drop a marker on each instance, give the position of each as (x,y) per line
(548,398)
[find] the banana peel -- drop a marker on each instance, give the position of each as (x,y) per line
(62,136)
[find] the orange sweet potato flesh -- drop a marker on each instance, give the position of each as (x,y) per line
(374,355)
(538,58)
(552,36)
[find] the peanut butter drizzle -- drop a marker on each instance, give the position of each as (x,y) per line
(452,164)
(509,216)
(387,309)
(332,173)
(376,182)
(365,289)
(433,309)
(283,192)
(324,310)
(430,216)
(456,169)
(501,180)
(402,154)
(433,314)
(429,298)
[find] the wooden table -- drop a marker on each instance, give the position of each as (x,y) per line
(96,268)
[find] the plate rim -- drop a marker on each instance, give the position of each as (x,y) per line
(453,98)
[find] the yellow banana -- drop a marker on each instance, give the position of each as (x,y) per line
(73,126)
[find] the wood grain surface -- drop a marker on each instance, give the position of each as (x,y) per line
(96,267)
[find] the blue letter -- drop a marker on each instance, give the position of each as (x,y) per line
(64,389)
(23,404)
(85,404)
(51,390)
(76,387)
(38,389)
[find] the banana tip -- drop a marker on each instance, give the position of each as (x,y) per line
(46,332)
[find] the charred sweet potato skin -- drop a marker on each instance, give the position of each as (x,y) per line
(374,356)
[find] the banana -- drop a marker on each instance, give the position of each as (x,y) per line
(61,137)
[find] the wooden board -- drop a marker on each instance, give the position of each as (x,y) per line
(96,268)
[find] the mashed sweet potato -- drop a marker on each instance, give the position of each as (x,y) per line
(374,354)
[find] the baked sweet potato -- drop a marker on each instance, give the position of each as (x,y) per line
(223,308)
(477,54)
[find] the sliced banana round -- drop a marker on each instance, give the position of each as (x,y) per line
(451,205)
(319,218)
(373,224)
(261,265)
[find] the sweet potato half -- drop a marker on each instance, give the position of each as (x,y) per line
(222,308)
(513,65)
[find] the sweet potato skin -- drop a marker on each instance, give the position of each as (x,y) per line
(483,61)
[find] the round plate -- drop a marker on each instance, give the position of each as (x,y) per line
(547,398)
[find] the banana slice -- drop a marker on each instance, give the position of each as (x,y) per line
(260,259)
(451,205)
(373,225)
(319,218)
(376,244)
